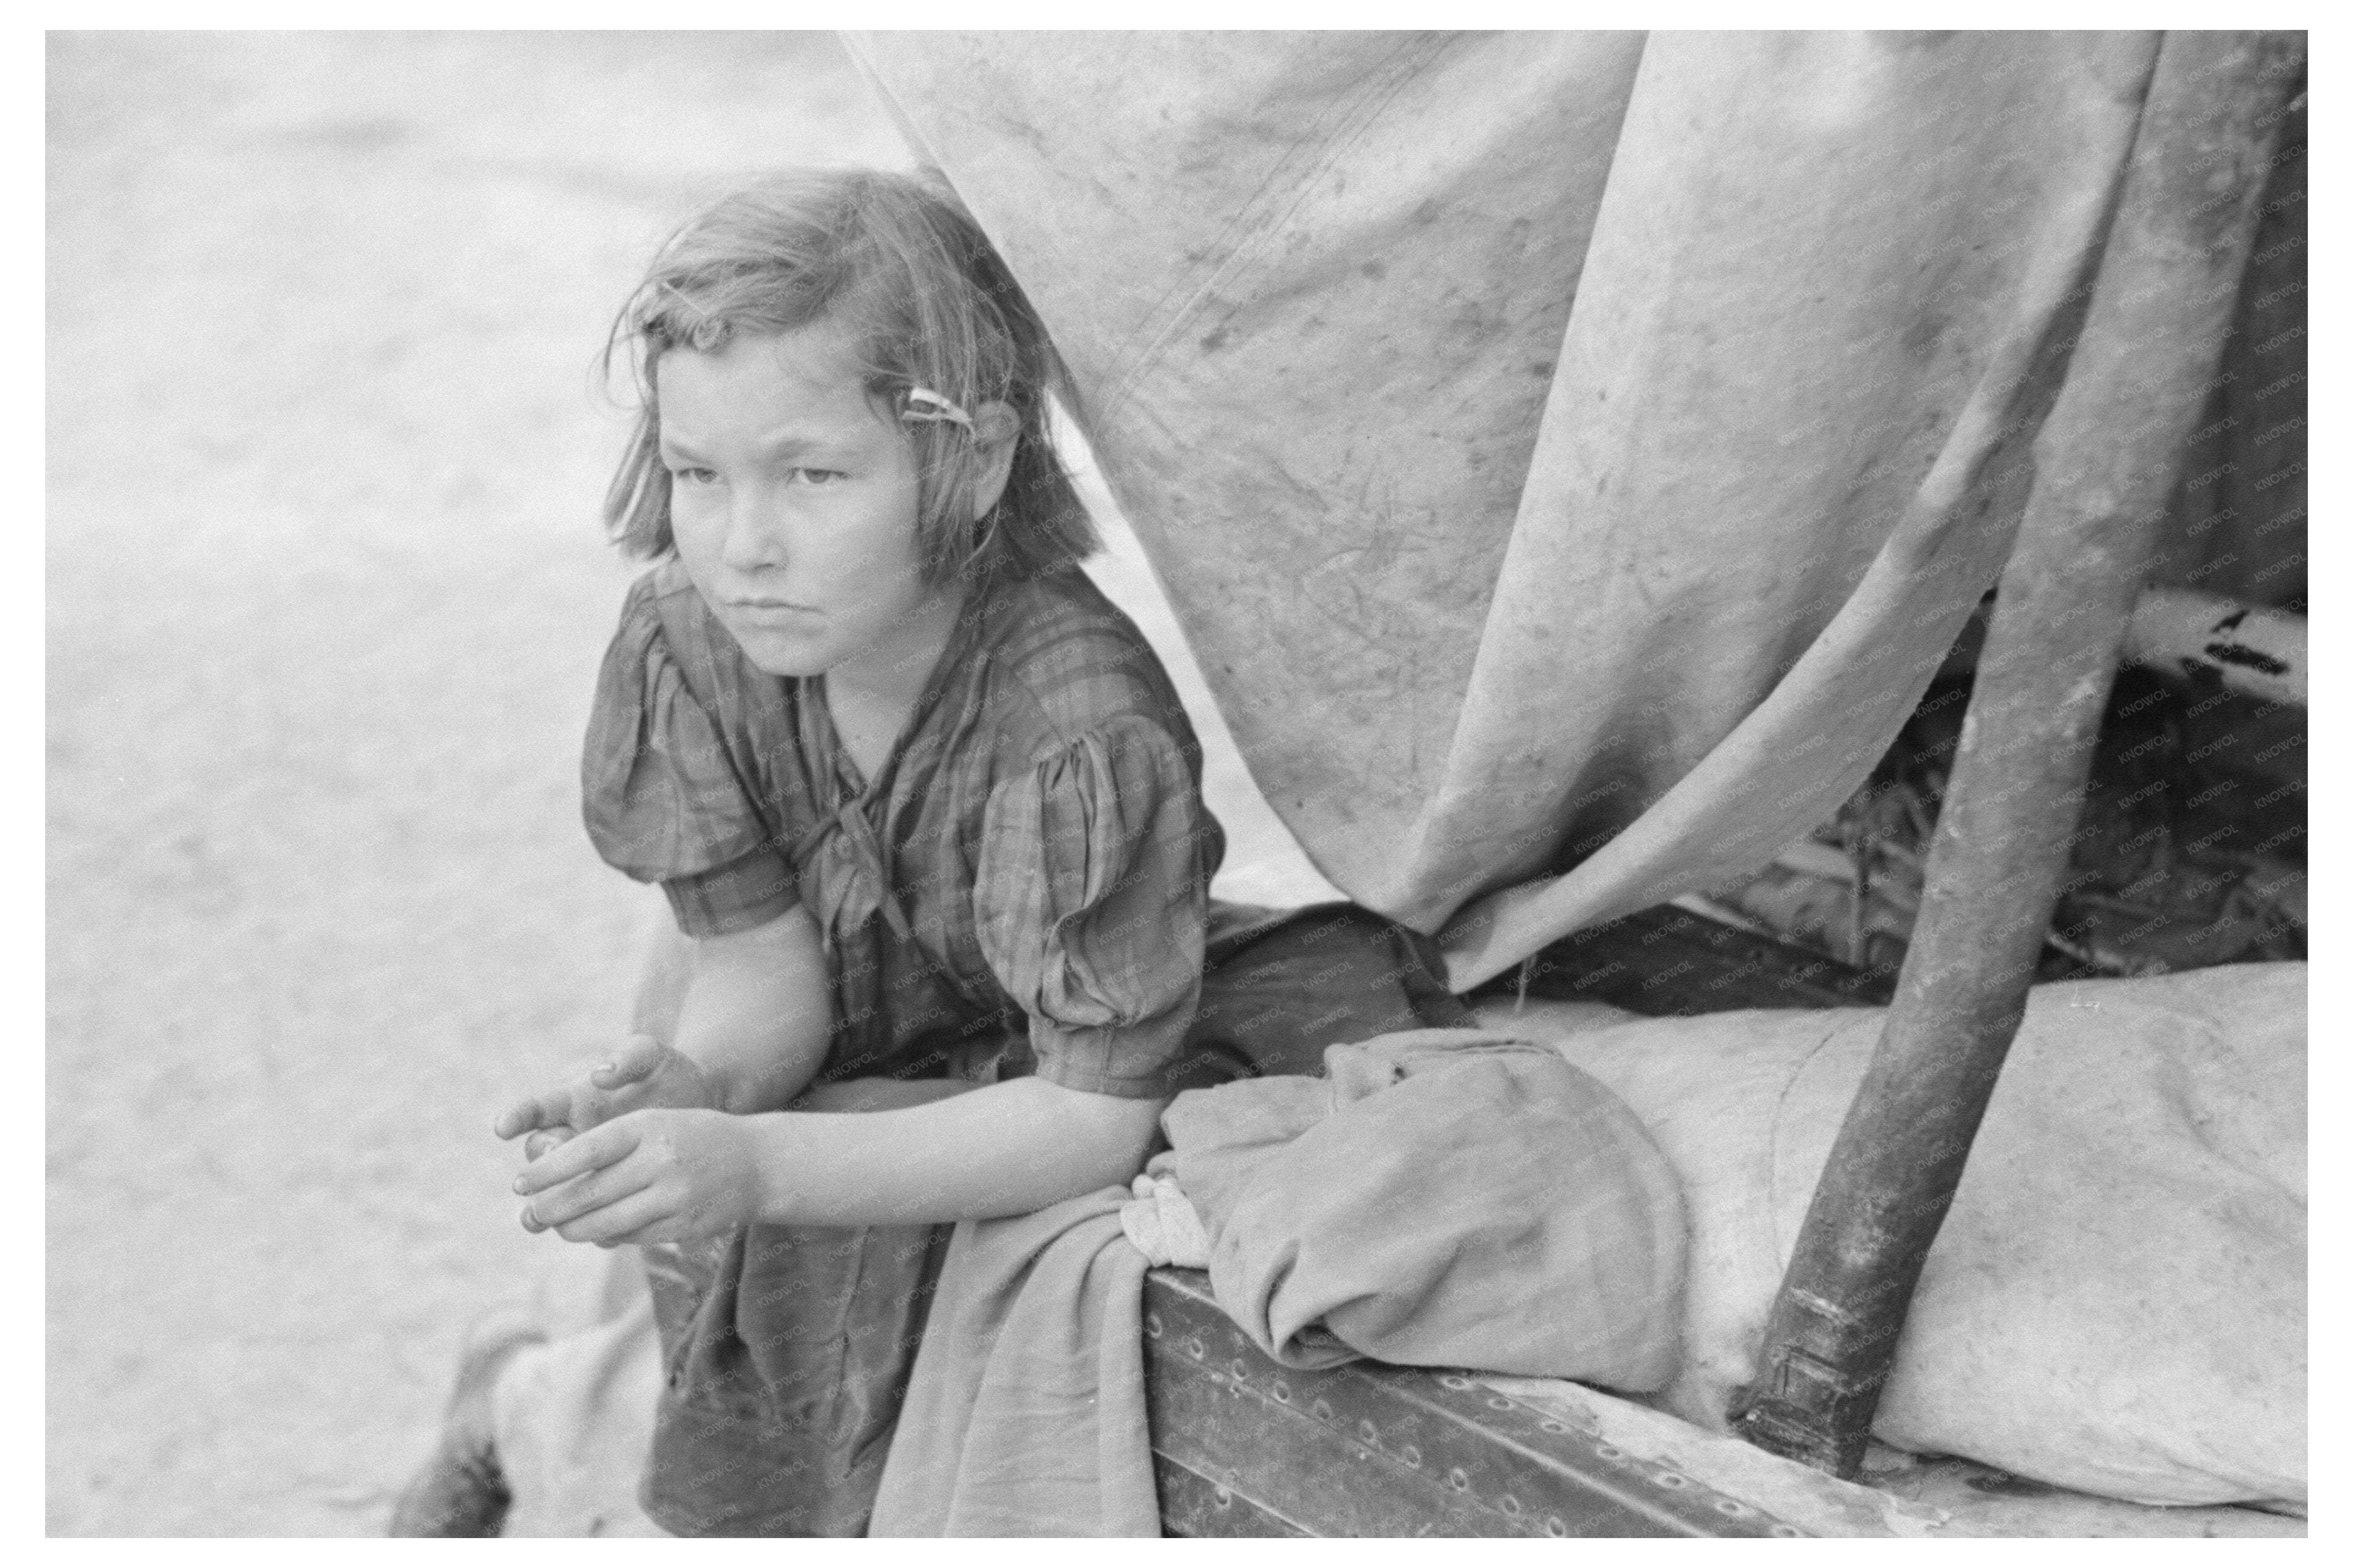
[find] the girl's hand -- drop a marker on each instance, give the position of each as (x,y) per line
(644,1072)
(648,1176)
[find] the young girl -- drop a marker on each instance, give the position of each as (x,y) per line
(929,812)
(925,803)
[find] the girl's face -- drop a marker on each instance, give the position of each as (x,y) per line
(793,503)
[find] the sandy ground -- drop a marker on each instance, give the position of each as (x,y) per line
(325,597)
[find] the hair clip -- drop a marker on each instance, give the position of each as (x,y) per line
(687,329)
(934,408)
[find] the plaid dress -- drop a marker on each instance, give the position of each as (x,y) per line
(1025,877)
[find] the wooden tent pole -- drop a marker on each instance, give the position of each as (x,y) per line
(2106,461)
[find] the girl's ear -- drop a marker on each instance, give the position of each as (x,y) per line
(996,429)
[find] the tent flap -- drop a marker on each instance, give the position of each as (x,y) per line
(1569,455)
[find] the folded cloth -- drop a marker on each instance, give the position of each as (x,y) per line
(1438,1198)
(1442,1197)
(1025,1414)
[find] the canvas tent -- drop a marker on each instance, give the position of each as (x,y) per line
(1570,455)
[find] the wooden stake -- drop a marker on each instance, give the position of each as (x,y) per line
(2105,461)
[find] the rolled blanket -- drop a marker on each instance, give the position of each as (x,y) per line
(2117,1300)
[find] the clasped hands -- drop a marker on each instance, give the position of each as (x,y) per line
(636,1152)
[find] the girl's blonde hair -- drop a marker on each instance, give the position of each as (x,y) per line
(896,260)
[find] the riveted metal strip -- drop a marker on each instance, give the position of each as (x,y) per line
(1371,1450)
(1192,1505)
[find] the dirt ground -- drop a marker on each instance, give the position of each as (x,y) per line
(325,598)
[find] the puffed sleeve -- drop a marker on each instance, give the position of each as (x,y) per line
(1091,898)
(664,798)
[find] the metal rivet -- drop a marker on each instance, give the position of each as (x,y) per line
(1499,1403)
(1195,1348)
(1450,1381)
(1281,1392)
(1152,1325)
(1554,1426)
(1369,1433)
(1606,1452)
(1553,1526)
(1239,1367)
(1731,1509)
(1411,1456)
(1458,1480)
(1224,1498)
(1787,1531)
(1668,1480)
(1510,1505)
(1323,1410)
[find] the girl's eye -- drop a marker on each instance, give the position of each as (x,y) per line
(820,476)
(692,476)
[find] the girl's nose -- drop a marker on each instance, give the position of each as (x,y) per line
(755,534)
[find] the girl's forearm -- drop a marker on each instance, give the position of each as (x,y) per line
(755,1013)
(1005,1149)
(750,1066)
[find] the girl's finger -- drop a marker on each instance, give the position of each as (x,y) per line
(545,1139)
(529,1116)
(635,1061)
(590,1193)
(592,1151)
(627,1219)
